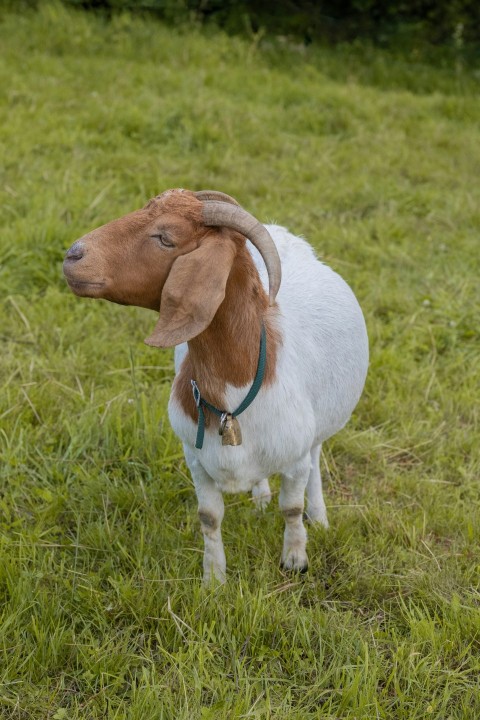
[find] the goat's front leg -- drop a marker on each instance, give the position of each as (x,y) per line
(291,501)
(210,511)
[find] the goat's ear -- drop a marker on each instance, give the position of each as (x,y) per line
(193,291)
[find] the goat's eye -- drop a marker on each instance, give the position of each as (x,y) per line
(163,240)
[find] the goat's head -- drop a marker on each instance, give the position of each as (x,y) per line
(174,255)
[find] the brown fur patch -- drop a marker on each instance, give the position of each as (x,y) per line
(227,351)
(208,520)
(292,513)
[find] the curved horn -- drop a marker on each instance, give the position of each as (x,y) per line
(223,214)
(214,195)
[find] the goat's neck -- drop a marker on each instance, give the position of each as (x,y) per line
(227,351)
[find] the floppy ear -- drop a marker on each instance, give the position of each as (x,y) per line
(193,291)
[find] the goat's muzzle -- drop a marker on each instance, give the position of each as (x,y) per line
(73,274)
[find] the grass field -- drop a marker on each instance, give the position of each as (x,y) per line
(375,158)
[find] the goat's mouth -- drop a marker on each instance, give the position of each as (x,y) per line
(85,288)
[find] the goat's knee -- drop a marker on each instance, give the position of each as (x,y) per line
(209,521)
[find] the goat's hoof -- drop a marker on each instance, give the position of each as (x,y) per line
(295,562)
(302,570)
(214,577)
(213,581)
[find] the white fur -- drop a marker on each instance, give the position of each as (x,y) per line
(321,369)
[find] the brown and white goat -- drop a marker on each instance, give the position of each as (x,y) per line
(185,256)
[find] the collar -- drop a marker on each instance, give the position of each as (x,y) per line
(201,403)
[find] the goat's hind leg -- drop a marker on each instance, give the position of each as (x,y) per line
(316,510)
(261,494)
(291,501)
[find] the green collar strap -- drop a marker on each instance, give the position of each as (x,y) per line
(201,403)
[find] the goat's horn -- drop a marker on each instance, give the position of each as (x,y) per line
(223,214)
(215,195)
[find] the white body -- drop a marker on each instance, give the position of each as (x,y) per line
(321,367)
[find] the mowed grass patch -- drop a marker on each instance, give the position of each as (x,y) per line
(374,158)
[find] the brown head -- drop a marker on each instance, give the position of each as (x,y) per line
(174,256)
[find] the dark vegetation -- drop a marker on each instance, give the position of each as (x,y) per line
(454,24)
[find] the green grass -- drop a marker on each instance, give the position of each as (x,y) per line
(375,158)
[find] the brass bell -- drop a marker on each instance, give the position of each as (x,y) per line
(230,430)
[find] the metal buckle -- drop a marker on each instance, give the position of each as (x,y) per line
(196,393)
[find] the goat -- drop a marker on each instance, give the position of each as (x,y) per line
(185,256)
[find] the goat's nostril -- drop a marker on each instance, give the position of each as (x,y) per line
(76,252)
